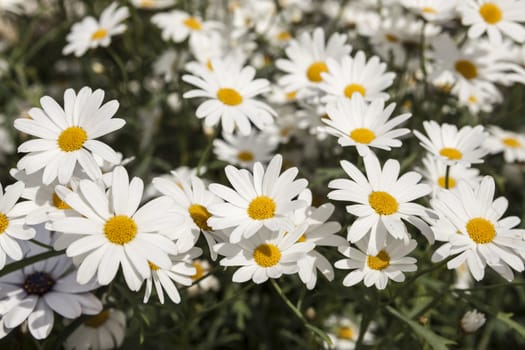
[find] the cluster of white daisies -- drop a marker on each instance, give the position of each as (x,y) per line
(74,194)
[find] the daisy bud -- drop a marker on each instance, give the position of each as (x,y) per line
(472,321)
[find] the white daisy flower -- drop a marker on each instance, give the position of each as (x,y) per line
(451,145)
(12,223)
(376,269)
(244,150)
(213,46)
(266,254)
(470,222)
(383,201)
(104,331)
(463,277)
(91,33)
(321,233)
(152,4)
(14,6)
(263,198)
(344,332)
(231,92)
(256,15)
(178,25)
(395,34)
(35,292)
(191,201)
(184,173)
(479,98)
(496,17)
(356,75)
(435,173)
(278,34)
(111,230)
(472,321)
(202,268)
(165,65)
(472,66)
(164,280)
(67,137)
(433,10)
(512,144)
(365,125)
(307,59)
(107,168)
(42,199)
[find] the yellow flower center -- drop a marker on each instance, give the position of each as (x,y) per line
(192,23)
(491,13)
(72,139)
(472,99)
(200,271)
(351,88)
(481,230)
(429,10)
(345,333)
(209,65)
(301,239)
(451,182)
(383,203)
(120,229)
(97,320)
(379,262)
(4,223)
(511,142)
(229,97)
(391,38)
(59,203)
(261,208)
(290,96)
(245,156)
(445,87)
(152,266)
(284,132)
(362,135)
(451,153)
(467,69)
(200,216)
(267,255)
(99,34)
(314,71)
(284,36)
(147,3)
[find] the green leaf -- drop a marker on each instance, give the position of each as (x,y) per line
(28,261)
(321,334)
(507,319)
(435,341)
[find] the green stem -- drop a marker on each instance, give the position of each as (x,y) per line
(447,177)
(44,40)
(316,331)
(121,66)
(205,154)
(367,319)
(34,241)
(28,261)
(422,50)
(225,301)
(335,22)
(419,274)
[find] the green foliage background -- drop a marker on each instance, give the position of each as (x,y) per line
(422,313)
